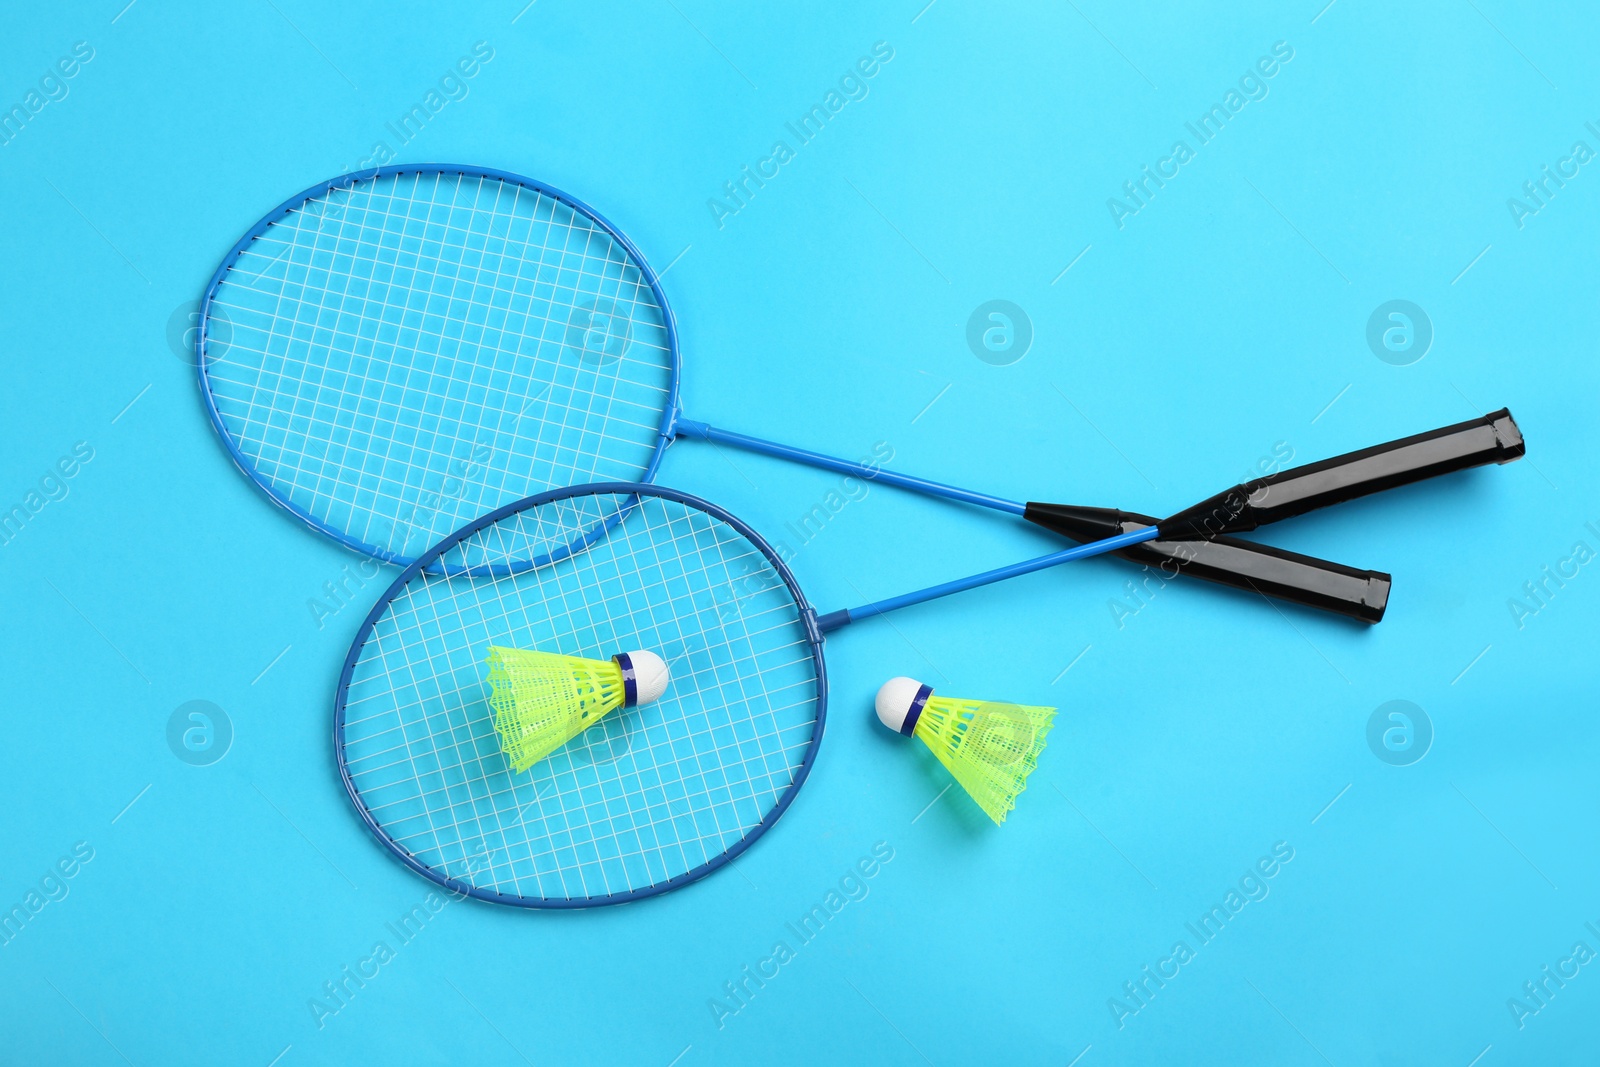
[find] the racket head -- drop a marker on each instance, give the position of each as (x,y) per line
(394,352)
(651,798)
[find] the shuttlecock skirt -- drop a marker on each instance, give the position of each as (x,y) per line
(542,700)
(989,748)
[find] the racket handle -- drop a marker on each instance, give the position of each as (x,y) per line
(1275,572)
(1493,438)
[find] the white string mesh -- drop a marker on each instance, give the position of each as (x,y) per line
(653,792)
(406,353)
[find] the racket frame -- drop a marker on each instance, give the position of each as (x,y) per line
(324,188)
(808,618)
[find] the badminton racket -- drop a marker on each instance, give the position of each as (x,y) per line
(391,353)
(652,797)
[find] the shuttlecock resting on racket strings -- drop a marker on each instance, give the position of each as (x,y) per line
(989,747)
(542,700)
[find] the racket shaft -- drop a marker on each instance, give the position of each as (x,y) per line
(1493,438)
(866,472)
(1274,572)
(835,619)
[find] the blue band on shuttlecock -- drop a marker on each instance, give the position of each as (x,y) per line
(914,713)
(630,684)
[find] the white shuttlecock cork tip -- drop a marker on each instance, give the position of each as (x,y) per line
(650,675)
(895,698)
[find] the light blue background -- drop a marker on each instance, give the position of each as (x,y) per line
(1229,315)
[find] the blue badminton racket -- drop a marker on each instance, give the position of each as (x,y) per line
(393,353)
(654,795)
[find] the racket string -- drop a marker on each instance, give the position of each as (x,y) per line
(455,295)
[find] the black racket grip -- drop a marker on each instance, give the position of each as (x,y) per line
(1315,583)
(1494,438)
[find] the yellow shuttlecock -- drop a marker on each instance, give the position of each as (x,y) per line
(989,747)
(542,700)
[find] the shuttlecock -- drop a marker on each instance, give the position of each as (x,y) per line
(542,700)
(989,747)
